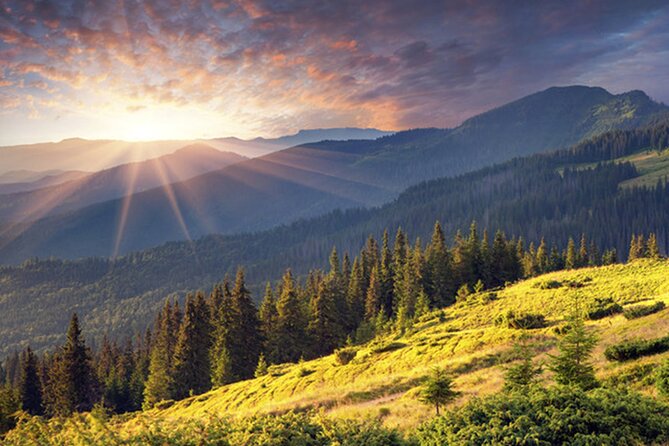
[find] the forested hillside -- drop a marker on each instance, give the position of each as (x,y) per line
(314,179)
(535,197)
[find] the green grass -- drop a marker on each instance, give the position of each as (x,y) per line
(652,165)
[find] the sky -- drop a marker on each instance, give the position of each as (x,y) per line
(167,69)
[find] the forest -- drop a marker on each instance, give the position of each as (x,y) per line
(222,337)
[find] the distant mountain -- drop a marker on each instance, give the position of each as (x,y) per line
(39,180)
(555,196)
(95,155)
(313,179)
(26,176)
(115,182)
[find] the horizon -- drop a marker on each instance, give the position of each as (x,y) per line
(143,72)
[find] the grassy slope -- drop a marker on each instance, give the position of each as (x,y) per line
(468,343)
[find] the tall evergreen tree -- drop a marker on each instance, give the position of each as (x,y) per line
(223,318)
(571,258)
(291,321)
(373,300)
(355,295)
(191,354)
(268,319)
(652,250)
(72,386)
(160,382)
(440,280)
(30,391)
(246,333)
(385,277)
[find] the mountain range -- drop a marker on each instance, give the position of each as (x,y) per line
(599,188)
(30,160)
(313,179)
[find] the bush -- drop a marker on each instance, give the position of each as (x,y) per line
(602,307)
(549,284)
(389,347)
(291,429)
(560,415)
(662,379)
(643,310)
(519,320)
(636,348)
(345,355)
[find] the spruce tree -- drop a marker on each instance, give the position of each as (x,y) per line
(652,250)
(355,295)
(325,330)
(583,254)
(440,274)
(636,248)
(373,303)
(72,385)
(438,390)
(268,317)
(160,381)
(291,322)
(385,277)
(221,352)
(246,336)
(571,365)
(191,354)
(523,373)
(30,391)
(571,259)
(542,260)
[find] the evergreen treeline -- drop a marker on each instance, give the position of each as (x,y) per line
(223,337)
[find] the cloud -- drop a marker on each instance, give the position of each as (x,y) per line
(276,66)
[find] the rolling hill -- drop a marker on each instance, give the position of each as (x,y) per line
(185,163)
(550,196)
(313,179)
(95,155)
(382,381)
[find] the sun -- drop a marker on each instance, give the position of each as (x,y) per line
(147,125)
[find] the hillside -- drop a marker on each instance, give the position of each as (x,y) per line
(314,179)
(530,197)
(119,181)
(383,379)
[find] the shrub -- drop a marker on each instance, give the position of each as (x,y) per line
(345,355)
(636,348)
(559,415)
(643,310)
(662,379)
(549,284)
(602,307)
(389,347)
(520,320)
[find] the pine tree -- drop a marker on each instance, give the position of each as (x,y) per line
(571,366)
(386,275)
(356,291)
(373,303)
(191,354)
(399,260)
(261,368)
(652,250)
(636,248)
(524,373)
(440,274)
(160,382)
(30,391)
(583,255)
(325,330)
(246,333)
(571,259)
(438,390)
(291,323)
(268,316)
(542,260)
(72,386)
(221,353)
